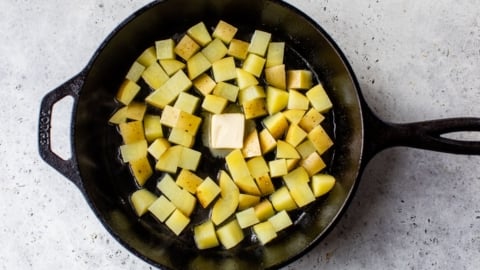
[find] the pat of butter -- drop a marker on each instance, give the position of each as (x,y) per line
(226,131)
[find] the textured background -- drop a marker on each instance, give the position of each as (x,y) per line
(415,60)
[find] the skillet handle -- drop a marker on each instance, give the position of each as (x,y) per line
(69,166)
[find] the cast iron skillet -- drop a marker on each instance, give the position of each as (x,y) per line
(94,166)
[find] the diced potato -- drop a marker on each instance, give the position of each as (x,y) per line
(282,200)
(133,151)
(313,163)
(294,116)
(267,141)
(141,170)
(297,175)
(299,79)
(205,236)
(277,99)
(120,116)
(197,64)
(226,205)
(188,122)
(297,101)
(254,64)
(247,185)
(200,34)
(181,198)
(292,163)
(247,218)
(224,69)
(181,137)
(165,49)
(245,79)
(186,47)
(170,90)
(255,108)
(227,131)
(226,90)
(177,222)
(297,183)
(127,91)
(320,139)
(265,232)
(135,72)
(247,200)
(259,42)
(189,159)
(264,210)
(171,66)
(281,221)
(250,93)
(214,104)
(188,180)
(238,49)
(170,116)
(158,147)
(136,110)
(161,208)
(204,84)
(276,76)
(295,135)
(141,200)
(207,191)
(275,54)
(148,57)
(305,148)
(237,165)
(153,127)
(257,166)
(278,167)
(168,161)
(276,124)
(186,102)
(154,76)
(265,184)
(319,98)
(224,31)
(132,131)
(322,184)
(230,234)
(215,50)
(251,145)
(310,120)
(286,150)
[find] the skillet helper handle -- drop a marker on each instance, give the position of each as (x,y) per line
(67,167)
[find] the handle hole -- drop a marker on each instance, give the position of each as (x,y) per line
(60,127)
(463,136)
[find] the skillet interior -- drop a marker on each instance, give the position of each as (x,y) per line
(107,184)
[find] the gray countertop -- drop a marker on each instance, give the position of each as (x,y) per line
(414,209)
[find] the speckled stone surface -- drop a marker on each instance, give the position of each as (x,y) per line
(414,209)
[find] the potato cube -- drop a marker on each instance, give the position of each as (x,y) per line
(281,221)
(254,64)
(277,99)
(136,110)
(251,93)
(142,199)
(170,90)
(245,79)
(168,161)
(264,210)
(127,91)
(297,183)
(259,42)
(214,104)
(320,139)
(207,191)
(247,200)
(226,90)
(282,200)
(247,185)
(188,122)
(298,101)
(197,64)
(276,76)
(186,102)
(238,49)
(161,208)
(295,135)
(297,175)
(165,49)
(170,116)
(133,151)
(120,116)
(153,127)
(237,165)
(227,131)
(205,236)
(186,47)
(188,180)
(267,141)
(286,150)
(226,205)
(292,163)
(322,184)
(251,145)
(276,124)
(154,76)
(299,79)
(135,72)
(132,131)
(141,170)
(182,199)
(275,54)
(189,159)
(313,163)
(200,34)
(158,147)
(181,137)
(305,148)
(147,57)
(224,31)
(310,120)
(230,234)
(294,116)
(204,84)
(265,232)
(265,184)
(224,69)
(319,98)
(247,218)
(177,222)
(257,166)
(171,66)
(255,108)
(215,50)
(278,167)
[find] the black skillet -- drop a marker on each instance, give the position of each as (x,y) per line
(358,134)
